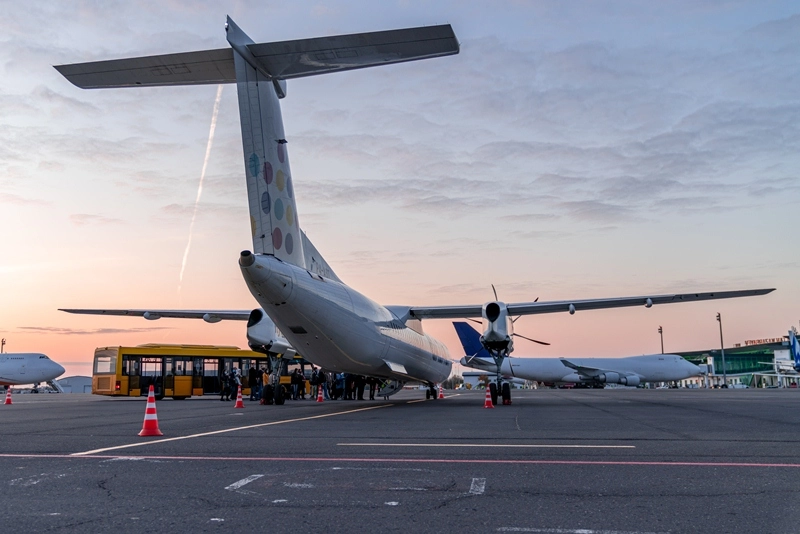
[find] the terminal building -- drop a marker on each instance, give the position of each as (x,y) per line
(757,363)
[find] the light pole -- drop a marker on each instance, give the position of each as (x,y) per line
(722,348)
(2,344)
(661,333)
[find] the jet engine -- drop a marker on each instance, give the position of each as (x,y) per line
(263,335)
(616,378)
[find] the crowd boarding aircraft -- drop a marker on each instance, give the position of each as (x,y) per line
(27,368)
(328,322)
(629,371)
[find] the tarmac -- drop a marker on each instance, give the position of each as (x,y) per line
(555,461)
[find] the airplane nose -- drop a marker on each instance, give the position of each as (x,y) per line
(57,368)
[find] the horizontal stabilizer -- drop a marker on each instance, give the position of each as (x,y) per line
(278,61)
(187,68)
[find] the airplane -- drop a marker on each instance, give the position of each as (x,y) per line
(330,323)
(27,368)
(628,371)
(794,348)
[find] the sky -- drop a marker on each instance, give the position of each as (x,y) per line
(570,150)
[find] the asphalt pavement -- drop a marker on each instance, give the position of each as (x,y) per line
(555,461)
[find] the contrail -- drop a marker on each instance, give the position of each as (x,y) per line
(200,185)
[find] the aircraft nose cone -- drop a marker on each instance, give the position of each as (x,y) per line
(58,369)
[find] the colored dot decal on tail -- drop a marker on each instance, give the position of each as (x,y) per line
(277,238)
(279,209)
(289,186)
(289,243)
(253,165)
(280,180)
(268,172)
(289,216)
(265,202)
(281,152)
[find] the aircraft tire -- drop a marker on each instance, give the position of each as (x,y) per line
(493,392)
(506,393)
(280,396)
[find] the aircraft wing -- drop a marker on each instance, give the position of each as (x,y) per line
(571,306)
(209,316)
(585,371)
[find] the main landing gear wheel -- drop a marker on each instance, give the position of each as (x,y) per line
(493,392)
(280,395)
(506,393)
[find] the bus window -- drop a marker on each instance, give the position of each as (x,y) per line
(105,362)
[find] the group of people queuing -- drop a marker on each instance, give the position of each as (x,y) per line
(334,386)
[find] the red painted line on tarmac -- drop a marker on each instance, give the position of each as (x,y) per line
(405,460)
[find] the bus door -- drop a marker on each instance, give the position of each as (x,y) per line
(197,376)
(212,370)
(152,374)
(178,377)
(130,381)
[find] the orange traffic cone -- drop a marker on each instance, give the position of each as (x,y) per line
(441,391)
(319,393)
(150,426)
(239,403)
(488,402)
(8,396)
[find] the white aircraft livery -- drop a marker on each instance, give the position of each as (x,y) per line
(322,318)
(27,368)
(630,371)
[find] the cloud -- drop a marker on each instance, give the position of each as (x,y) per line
(91,331)
(82,219)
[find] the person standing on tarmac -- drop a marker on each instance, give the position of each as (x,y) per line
(223,386)
(252,382)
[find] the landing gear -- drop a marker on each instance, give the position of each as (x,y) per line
(277,365)
(506,393)
(499,387)
(431,392)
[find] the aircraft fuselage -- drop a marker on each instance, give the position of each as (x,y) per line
(338,328)
(27,368)
(650,368)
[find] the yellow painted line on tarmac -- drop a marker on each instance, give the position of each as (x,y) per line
(493,445)
(212,433)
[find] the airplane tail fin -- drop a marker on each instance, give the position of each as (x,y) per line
(471,341)
(260,71)
(794,347)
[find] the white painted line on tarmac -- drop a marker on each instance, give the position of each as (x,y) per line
(244,481)
(493,445)
(215,432)
(478,486)
(571,531)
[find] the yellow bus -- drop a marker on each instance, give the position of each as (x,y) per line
(177,371)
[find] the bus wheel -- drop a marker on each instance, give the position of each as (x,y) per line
(280,395)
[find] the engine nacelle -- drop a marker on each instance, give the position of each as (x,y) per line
(263,335)
(630,380)
(496,333)
(608,378)
(616,378)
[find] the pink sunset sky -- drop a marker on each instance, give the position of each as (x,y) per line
(571,150)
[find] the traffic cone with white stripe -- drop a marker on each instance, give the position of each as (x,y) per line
(441,391)
(239,403)
(319,393)
(488,402)
(150,426)
(8,396)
